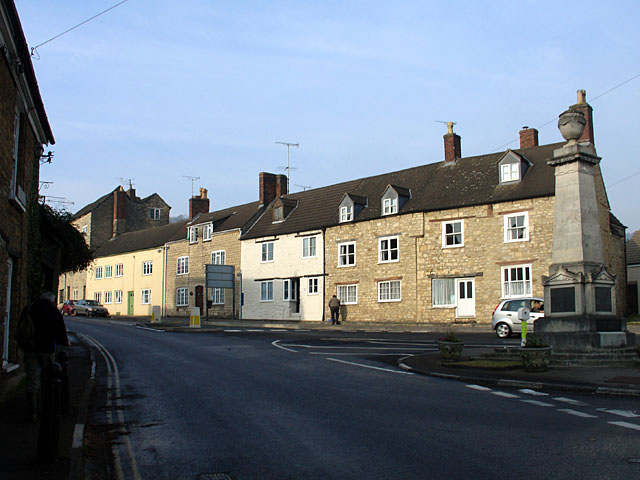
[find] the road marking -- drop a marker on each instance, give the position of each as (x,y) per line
(577,403)
(370,366)
(150,329)
(479,387)
(535,393)
(633,426)
(337,347)
(620,413)
(276,343)
(232,331)
(355,354)
(505,394)
(255,330)
(78,435)
(576,413)
(538,403)
(278,330)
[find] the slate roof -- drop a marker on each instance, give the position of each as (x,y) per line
(143,239)
(469,181)
(237,217)
(109,196)
(633,249)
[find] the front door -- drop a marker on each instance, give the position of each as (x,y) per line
(200,298)
(129,303)
(465,287)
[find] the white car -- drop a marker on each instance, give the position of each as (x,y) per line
(505,316)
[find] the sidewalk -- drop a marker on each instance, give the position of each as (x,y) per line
(18,442)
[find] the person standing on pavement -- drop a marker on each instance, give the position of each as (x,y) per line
(334,306)
(45,332)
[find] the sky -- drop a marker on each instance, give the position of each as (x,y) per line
(157,91)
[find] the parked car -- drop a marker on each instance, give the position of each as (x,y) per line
(68,308)
(505,316)
(90,308)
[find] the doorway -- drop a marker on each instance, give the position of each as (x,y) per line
(129,303)
(200,298)
(465,288)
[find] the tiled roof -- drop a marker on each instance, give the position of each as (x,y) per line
(93,205)
(633,249)
(469,181)
(143,239)
(231,218)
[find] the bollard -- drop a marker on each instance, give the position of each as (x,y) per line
(49,435)
(65,396)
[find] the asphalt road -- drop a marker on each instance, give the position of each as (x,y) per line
(318,405)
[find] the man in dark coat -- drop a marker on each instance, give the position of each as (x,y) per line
(334,306)
(48,333)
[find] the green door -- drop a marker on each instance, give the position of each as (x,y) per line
(129,303)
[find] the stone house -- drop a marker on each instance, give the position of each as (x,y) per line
(24,131)
(633,273)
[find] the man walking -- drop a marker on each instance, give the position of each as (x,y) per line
(334,306)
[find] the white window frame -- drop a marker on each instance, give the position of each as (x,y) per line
(446,236)
(154,213)
(117,296)
(85,230)
(266,291)
(182,266)
(193,234)
(218,257)
(510,172)
(108,271)
(312,286)
(288,292)
(217,296)
(207,232)
(145,296)
(346,213)
(521,286)
(119,269)
(443,292)
(344,257)
(385,249)
(390,206)
(147,267)
(509,229)
(266,250)
(182,297)
(75,294)
(389,294)
(348,294)
(107,298)
(98,273)
(278,214)
(97,296)
(309,247)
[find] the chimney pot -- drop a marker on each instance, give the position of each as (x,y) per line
(528,137)
(587,111)
(198,205)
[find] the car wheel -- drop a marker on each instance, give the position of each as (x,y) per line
(503,330)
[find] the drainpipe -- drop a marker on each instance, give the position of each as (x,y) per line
(164,280)
(324,271)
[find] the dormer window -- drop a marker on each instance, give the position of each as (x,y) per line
(512,167)
(350,206)
(207,231)
(510,172)
(282,208)
(389,206)
(277,214)
(193,234)
(394,198)
(346,213)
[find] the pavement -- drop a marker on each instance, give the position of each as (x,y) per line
(18,442)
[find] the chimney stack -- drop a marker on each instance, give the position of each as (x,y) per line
(198,204)
(452,148)
(528,137)
(271,187)
(119,212)
(585,108)
(282,185)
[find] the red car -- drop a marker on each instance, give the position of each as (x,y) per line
(68,308)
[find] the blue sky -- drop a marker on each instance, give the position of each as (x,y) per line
(157,90)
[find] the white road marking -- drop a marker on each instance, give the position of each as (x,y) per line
(479,387)
(337,347)
(255,330)
(538,403)
(276,343)
(633,426)
(535,393)
(370,366)
(577,403)
(620,413)
(278,330)
(355,354)
(505,394)
(232,331)
(576,413)
(150,329)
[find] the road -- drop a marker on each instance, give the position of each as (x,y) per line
(278,404)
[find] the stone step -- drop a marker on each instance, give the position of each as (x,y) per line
(626,357)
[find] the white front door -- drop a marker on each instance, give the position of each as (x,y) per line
(465,290)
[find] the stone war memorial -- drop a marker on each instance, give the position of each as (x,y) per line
(580,304)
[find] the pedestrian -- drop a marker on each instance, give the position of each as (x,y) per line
(41,330)
(334,306)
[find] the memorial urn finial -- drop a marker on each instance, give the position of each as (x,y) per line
(571,124)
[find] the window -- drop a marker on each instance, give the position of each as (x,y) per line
(346,254)
(346,213)
(452,234)
(182,267)
(278,215)
(107,297)
(97,296)
(182,297)
(509,172)
(218,257)
(389,291)
(217,296)
(289,290)
(117,295)
(348,294)
(154,213)
(312,286)
(145,296)
(16,192)
(516,281)
(516,227)
(388,249)
(389,206)
(207,231)
(443,292)
(85,230)
(108,271)
(308,247)
(119,270)
(98,273)
(267,252)
(266,291)
(75,294)
(193,234)
(147,268)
